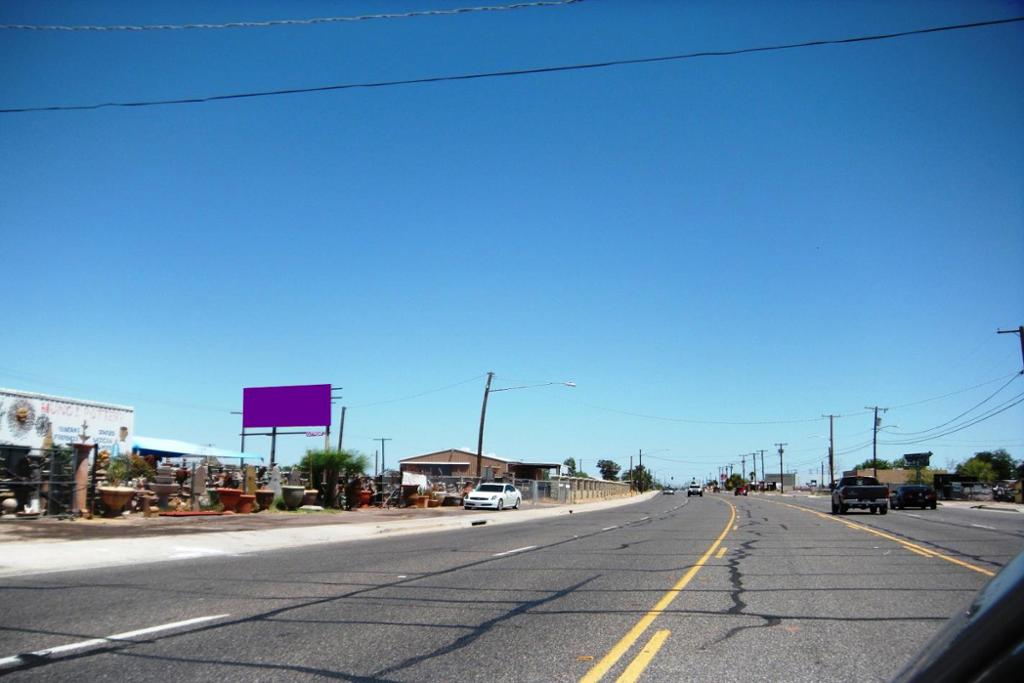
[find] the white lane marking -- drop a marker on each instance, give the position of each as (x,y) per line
(517,550)
(117,637)
(983,526)
(910,515)
(609,528)
(644,519)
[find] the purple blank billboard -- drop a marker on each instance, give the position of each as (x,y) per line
(307,405)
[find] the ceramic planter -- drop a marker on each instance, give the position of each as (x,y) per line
(264,498)
(364,499)
(245,502)
(310,497)
(229,498)
(292,496)
(115,498)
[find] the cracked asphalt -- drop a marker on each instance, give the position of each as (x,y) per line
(787,594)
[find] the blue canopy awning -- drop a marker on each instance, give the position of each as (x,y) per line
(148,445)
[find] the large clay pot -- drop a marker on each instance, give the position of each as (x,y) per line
(245,502)
(310,497)
(292,495)
(229,498)
(364,498)
(264,498)
(115,498)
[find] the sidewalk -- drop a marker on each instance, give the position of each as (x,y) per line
(982,505)
(44,545)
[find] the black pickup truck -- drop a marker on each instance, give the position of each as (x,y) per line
(860,492)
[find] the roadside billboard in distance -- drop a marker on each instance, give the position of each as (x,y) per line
(304,405)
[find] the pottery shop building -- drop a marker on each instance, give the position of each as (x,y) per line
(47,444)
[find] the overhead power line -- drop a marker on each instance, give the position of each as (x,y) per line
(291,22)
(422,393)
(954,393)
(966,412)
(992,412)
(512,72)
(688,420)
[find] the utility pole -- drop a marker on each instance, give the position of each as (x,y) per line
(743,466)
(874,437)
(341,427)
(327,432)
(831,451)
(753,456)
(642,485)
(821,481)
(480,439)
(1020,333)
(383,498)
(632,474)
(782,476)
(764,472)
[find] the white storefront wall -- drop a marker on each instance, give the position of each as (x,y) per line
(27,418)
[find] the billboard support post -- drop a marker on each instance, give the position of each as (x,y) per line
(273,446)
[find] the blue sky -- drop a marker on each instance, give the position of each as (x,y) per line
(757,238)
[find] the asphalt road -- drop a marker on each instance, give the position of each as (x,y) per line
(716,588)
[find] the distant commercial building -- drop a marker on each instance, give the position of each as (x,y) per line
(788,480)
(892,477)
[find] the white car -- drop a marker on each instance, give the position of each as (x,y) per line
(493,496)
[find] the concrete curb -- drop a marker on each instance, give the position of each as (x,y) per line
(25,558)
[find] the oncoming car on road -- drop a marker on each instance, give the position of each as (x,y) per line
(695,489)
(493,496)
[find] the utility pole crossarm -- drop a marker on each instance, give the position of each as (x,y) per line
(1020,333)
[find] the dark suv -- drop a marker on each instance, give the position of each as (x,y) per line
(913,495)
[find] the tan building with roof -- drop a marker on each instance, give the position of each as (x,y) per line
(454,462)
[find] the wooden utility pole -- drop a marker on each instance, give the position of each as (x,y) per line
(384,497)
(874,437)
(341,427)
(831,452)
(480,438)
(643,484)
(782,475)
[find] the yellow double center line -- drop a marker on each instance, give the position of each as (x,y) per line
(912,547)
(602,667)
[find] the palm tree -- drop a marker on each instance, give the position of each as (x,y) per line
(329,465)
